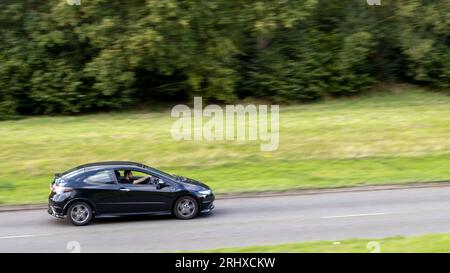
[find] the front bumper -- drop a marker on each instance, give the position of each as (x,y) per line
(208,209)
(207,203)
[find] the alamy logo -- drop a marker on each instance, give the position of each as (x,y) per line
(374,2)
(74,2)
(227,124)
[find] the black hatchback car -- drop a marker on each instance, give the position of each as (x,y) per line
(120,188)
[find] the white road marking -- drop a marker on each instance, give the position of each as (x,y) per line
(16,236)
(22,236)
(353,215)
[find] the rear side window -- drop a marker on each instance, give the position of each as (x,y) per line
(59,181)
(100,177)
(71,174)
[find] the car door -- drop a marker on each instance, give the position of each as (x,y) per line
(146,197)
(149,198)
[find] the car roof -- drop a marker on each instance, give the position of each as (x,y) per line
(111,163)
(104,164)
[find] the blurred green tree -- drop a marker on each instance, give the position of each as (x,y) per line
(61,58)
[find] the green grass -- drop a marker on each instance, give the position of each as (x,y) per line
(390,136)
(432,243)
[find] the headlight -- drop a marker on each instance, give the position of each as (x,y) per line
(205,192)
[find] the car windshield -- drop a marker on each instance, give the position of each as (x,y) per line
(159,171)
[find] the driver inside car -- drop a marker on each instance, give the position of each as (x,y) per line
(128,178)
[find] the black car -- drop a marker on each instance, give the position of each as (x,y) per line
(106,189)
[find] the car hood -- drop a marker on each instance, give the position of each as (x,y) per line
(191,182)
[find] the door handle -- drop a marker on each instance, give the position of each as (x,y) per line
(124,189)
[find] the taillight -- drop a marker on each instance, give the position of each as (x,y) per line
(61,189)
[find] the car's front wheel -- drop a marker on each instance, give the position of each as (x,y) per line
(186,207)
(80,214)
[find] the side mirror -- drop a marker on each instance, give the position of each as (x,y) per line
(160,184)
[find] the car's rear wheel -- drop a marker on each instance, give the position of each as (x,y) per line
(80,214)
(186,207)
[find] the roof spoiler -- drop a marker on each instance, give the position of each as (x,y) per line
(57,174)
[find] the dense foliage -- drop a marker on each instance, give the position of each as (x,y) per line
(61,58)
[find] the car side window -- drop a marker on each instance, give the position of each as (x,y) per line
(120,173)
(100,177)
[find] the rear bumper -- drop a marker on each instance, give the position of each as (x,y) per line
(55,209)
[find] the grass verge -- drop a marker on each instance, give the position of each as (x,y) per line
(397,135)
(432,243)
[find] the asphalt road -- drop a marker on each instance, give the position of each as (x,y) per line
(240,222)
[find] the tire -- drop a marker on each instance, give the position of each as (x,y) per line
(80,214)
(186,207)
